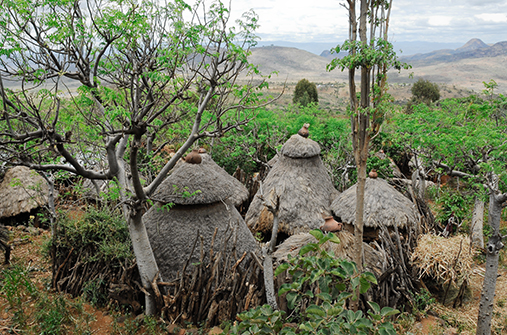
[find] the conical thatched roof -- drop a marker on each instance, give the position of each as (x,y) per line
(299,147)
(383,205)
(345,250)
(210,185)
(21,191)
(240,193)
(172,234)
(303,185)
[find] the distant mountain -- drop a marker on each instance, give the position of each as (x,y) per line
(402,48)
(474,48)
(466,66)
(293,64)
(473,44)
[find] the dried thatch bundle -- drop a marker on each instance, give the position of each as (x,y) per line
(21,191)
(446,259)
(240,193)
(300,147)
(305,189)
(345,250)
(173,231)
(383,205)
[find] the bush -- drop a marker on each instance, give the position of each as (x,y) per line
(425,91)
(305,93)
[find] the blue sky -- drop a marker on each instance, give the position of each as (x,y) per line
(446,21)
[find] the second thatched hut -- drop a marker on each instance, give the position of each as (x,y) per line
(303,186)
(384,206)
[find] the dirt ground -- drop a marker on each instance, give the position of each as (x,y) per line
(27,253)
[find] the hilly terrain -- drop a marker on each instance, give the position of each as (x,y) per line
(461,70)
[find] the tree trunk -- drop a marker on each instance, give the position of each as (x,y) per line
(476,234)
(359,224)
(493,248)
(148,268)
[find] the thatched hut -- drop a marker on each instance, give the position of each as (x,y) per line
(22,191)
(239,191)
(383,206)
(203,202)
(303,186)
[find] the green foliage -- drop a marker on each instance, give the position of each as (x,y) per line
(378,53)
(451,202)
(94,293)
(320,286)
(424,91)
(457,133)
(261,320)
(423,301)
(101,232)
(261,138)
(305,93)
(17,287)
(382,166)
(37,312)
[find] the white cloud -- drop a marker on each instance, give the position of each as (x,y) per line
(493,17)
(428,20)
(438,21)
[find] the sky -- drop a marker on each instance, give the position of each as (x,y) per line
(323,21)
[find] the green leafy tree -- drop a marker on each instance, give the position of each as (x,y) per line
(461,138)
(132,72)
(305,93)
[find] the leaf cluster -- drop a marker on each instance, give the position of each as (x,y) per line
(101,234)
(320,287)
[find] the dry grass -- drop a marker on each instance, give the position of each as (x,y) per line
(449,259)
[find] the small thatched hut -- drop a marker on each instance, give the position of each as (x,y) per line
(383,206)
(203,202)
(22,191)
(305,189)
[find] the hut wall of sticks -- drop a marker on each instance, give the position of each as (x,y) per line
(206,254)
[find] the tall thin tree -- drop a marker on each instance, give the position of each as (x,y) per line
(373,55)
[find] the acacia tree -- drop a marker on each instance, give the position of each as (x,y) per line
(373,55)
(107,78)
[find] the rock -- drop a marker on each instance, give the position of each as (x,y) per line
(451,331)
(21,191)
(34,231)
(173,329)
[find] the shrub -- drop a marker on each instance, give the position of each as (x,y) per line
(320,310)
(425,91)
(305,93)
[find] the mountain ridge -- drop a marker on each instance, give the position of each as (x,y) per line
(466,66)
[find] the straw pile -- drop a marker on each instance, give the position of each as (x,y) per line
(446,259)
